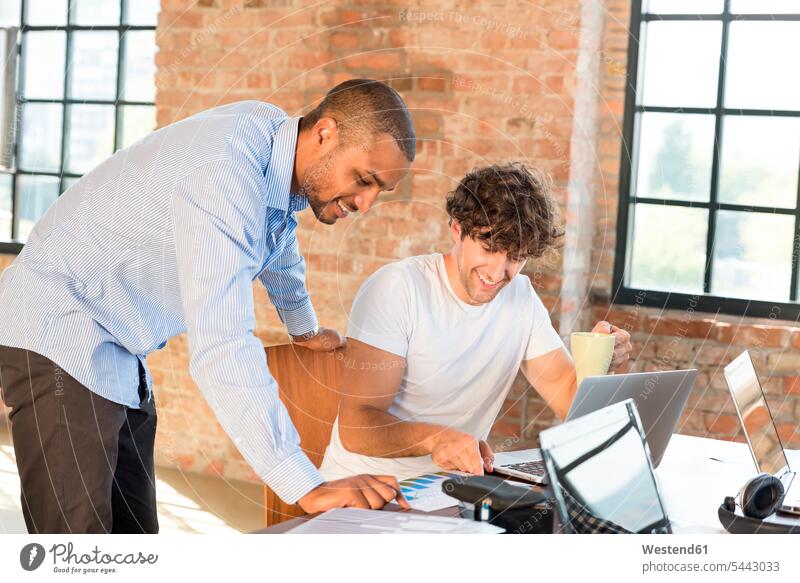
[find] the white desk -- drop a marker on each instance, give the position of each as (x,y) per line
(694,485)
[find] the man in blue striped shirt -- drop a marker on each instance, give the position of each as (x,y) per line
(167,236)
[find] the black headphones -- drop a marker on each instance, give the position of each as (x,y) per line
(761,496)
(758,498)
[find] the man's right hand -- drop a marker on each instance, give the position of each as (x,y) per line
(455,450)
(362,491)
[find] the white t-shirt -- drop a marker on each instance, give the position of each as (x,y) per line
(460,359)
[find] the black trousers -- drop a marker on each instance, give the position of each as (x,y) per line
(85,463)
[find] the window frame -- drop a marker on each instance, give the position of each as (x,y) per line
(14,247)
(705,302)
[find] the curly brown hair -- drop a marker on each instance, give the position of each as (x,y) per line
(508,208)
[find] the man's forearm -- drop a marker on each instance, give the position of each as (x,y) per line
(370,431)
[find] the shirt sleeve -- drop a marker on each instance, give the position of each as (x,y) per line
(543,338)
(380,315)
(285,281)
(218,217)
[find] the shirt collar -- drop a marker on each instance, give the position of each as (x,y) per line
(278,173)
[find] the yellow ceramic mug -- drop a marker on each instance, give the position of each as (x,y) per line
(592,353)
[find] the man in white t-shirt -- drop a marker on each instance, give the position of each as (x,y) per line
(435,341)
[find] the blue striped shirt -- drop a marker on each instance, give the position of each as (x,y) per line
(167,236)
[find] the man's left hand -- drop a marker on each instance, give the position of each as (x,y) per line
(325,341)
(622,343)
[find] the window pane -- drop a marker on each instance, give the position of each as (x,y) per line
(136,122)
(765,6)
(753,256)
(35,194)
(43,64)
(45,12)
(67,183)
(5,206)
(683,6)
(91,136)
(759,161)
(680,63)
(140,66)
(669,248)
(94,65)
(95,12)
(761,58)
(141,12)
(674,156)
(40,140)
(9,13)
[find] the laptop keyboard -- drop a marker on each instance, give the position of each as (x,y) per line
(533,468)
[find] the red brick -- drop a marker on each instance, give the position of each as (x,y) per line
(547,282)
(427,124)
(526,84)
(352,17)
(753,336)
(791,385)
(628,319)
(692,422)
(381,61)
(344,40)
(494,40)
(506,428)
(723,423)
(562,39)
(437,84)
(511,409)
(194,19)
(712,355)
(788,432)
(683,327)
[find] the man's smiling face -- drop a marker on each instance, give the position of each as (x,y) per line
(349,179)
(482,272)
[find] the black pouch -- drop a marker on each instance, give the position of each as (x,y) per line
(517,509)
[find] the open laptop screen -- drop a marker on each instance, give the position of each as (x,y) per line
(754,413)
(601,473)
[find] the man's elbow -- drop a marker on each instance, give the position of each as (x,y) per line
(571,390)
(349,441)
(353,425)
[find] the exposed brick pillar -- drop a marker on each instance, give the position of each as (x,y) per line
(580,214)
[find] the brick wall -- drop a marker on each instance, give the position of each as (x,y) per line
(486,82)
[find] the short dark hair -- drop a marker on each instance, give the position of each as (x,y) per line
(368,106)
(509,208)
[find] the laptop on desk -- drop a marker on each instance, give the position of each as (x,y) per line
(602,475)
(760,431)
(659,396)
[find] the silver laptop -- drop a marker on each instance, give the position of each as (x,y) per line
(659,396)
(759,428)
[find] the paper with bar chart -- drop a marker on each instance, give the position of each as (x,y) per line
(425,492)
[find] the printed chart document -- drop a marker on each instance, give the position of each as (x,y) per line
(425,492)
(359,521)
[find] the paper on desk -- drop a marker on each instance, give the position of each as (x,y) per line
(425,492)
(359,521)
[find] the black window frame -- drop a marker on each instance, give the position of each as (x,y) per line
(705,302)
(14,247)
